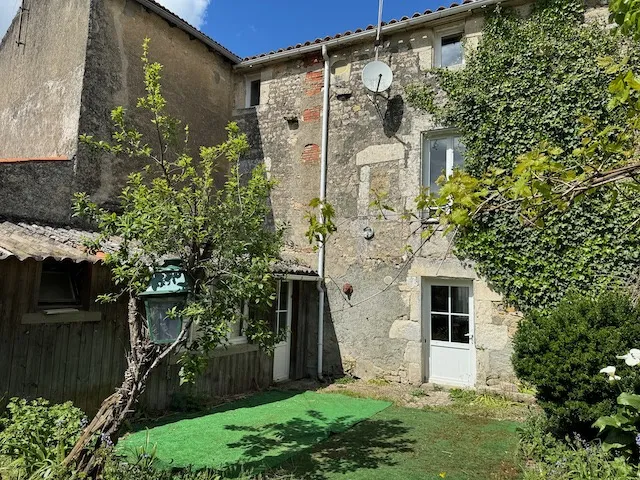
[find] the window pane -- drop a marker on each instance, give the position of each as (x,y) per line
(460,299)
(163,328)
(255,93)
(282,322)
(56,287)
(459,329)
(437,162)
(284,296)
(458,153)
(451,51)
(440,327)
(439,299)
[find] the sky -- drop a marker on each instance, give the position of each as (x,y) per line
(248,27)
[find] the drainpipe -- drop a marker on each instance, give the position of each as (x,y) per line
(323,196)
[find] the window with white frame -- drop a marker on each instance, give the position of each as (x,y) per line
(252,87)
(449,50)
(450,313)
(441,154)
(282,307)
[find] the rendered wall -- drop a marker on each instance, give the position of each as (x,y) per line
(40,90)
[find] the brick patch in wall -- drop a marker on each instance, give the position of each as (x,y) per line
(313,83)
(311,153)
(311,114)
(313,59)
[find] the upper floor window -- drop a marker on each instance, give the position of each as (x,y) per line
(253,91)
(440,155)
(449,50)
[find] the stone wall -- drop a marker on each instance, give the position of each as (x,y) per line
(197,84)
(40,106)
(82,59)
(374,145)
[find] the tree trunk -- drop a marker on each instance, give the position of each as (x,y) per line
(141,359)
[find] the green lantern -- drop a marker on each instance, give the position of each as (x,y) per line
(168,289)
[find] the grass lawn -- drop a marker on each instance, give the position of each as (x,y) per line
(407,444)
(255,433)
(319,436)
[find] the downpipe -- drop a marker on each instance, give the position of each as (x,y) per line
(323,196)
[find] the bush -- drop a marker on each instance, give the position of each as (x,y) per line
(561,353)
(35,437)
(573,458)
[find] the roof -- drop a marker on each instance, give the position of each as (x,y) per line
(171,17)
(372,28)
(40,242)
(290,265)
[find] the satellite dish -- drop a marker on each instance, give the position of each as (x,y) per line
(377,76)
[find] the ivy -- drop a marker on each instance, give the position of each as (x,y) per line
(526,85)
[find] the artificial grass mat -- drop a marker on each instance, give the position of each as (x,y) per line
(252,434)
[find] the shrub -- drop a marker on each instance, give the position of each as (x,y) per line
(573,458)
(35,436)
(561,353)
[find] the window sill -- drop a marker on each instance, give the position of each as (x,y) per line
(61,316)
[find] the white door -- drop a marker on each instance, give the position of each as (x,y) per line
(449,332)
(282,352)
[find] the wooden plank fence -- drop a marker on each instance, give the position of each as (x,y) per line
(85,362)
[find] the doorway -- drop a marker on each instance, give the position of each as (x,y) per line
(448,332)
(282,351)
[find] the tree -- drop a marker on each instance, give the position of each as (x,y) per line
(173,208)
(529,163)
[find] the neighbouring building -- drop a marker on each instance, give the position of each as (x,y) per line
(64,64)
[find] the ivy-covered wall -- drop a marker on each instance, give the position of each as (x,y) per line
(529,81)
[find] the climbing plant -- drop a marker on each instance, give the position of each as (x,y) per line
(517,104)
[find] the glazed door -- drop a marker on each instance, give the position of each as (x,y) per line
(449,332)
(282,352)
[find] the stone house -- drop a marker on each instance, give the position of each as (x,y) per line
(417,318)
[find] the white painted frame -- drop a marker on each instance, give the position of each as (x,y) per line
(437,45)
(426,284)
(248,79)
(285,345)
(425,160)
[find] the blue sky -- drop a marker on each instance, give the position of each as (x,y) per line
(248,27)
(255,26)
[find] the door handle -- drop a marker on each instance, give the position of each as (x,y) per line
(469,336)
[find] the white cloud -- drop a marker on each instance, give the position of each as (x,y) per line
(193,11)
(8,9)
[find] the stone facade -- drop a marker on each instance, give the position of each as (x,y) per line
(375,145)
(81,58)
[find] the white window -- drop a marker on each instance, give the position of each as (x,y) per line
(282,307)
(440,155)
(237,335)
(252,87)
(449,50)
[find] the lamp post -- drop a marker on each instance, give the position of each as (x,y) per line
(168,289)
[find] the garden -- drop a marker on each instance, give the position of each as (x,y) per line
(548,214)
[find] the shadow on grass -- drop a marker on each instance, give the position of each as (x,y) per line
(255,400)
(367,445)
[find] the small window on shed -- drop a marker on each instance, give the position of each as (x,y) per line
(253,91)
(451,51)
(63,285)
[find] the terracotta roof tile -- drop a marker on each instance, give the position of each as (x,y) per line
(359,30)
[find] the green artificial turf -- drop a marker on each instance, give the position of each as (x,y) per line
(408,444)
(251,434)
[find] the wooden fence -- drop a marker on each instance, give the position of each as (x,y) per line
(84,361)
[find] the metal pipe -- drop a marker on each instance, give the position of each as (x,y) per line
(379,34)
(323,196)
(357,37)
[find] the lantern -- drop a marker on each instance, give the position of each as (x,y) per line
(168,289)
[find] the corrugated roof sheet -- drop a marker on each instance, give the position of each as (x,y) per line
(39,242)
(359,30)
